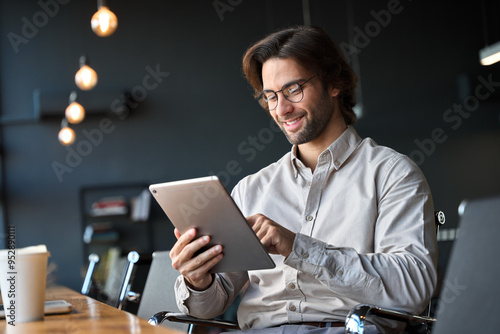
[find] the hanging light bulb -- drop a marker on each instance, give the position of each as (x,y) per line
(66,135)
(86,77)
(75,113)
(104,21)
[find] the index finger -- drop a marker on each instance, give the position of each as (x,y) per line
(183,239)
(252,219)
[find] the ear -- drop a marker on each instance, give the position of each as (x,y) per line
(333,91)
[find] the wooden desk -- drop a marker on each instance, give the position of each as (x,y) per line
(88,316)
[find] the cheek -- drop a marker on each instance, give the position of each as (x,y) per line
(273,115)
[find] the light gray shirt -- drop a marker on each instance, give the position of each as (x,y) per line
(365,234)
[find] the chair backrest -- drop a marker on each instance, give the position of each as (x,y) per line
(87,282)
(158,294)
(470,287)
(132,258)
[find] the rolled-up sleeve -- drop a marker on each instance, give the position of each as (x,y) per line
(214,300)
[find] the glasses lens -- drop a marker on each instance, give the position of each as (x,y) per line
(293,92)
(268,100)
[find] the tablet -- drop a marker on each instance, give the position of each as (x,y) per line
(204,203)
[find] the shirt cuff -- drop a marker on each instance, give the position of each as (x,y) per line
(307,254)
(188,298)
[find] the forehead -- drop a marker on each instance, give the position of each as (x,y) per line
(279,71)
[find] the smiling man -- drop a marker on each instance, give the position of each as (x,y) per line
(347,221)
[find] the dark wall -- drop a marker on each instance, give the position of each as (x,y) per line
(418,63)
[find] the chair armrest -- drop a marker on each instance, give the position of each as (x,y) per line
(354,323)
(160,317)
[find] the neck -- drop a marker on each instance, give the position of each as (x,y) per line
(309,152)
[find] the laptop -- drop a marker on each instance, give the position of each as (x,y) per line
(470,292)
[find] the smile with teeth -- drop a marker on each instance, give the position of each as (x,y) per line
(292,121)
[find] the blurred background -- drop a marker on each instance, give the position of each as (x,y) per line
(171,103)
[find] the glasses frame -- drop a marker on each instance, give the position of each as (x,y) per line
(265,105)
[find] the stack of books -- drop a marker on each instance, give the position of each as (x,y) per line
(100,232)
(109,206)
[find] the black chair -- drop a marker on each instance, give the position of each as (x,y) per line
(128,271)
(132,282)
(354,320)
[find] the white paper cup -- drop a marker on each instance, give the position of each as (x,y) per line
(23,277)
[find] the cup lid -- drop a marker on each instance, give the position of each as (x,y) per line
(38,249)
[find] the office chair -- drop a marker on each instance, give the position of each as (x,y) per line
(132,258)
(354,320)
(87,282)
(158,293)
(133,280)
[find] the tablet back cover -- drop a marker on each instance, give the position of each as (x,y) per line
(204,203)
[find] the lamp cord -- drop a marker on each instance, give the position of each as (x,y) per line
(485,24)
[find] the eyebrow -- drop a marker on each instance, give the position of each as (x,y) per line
(288,83)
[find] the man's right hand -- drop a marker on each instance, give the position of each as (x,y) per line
(194,269)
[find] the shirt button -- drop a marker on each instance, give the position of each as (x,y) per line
(336,163)
(292,308)
(340,272)
(309,218)
(305,255)
(291,286)
(308,184)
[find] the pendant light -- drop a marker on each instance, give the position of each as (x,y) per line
(86,77)
(75,113)
(490,54)
(104,21)
(66,135)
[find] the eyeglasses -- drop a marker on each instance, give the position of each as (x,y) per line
(292,91)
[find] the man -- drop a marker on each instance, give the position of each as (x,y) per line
(346,221)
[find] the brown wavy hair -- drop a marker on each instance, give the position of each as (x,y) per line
(314,50)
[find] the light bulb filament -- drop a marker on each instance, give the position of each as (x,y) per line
(104,22)
(86,76)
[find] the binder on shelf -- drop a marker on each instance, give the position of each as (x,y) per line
(140,206)
(100,232)
(109,206)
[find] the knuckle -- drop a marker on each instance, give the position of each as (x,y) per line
(175,264)
(192,277)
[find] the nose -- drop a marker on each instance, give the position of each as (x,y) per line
(284,106)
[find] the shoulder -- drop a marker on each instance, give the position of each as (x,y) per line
(384,156)
(266,174)
(257,182)
(389,166)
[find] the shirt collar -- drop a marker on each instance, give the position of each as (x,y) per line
(338,151)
